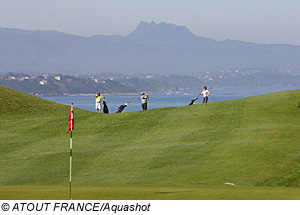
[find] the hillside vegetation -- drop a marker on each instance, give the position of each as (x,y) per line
(251,142)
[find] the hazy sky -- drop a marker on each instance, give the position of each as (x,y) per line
(259,21)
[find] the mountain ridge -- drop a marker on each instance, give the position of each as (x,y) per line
(151,48)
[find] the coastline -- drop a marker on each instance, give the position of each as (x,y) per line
(92,94)
(84,94)
(160,100)
(216,88)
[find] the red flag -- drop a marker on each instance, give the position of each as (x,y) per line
(71,120)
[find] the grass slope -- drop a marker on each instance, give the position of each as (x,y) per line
(251,142)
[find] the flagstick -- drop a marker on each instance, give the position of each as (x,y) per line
(71,152)
(71,165)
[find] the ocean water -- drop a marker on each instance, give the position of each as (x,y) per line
(161,100)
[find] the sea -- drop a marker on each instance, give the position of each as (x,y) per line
(161,100)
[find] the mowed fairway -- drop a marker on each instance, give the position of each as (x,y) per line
(149,192)
(172,153)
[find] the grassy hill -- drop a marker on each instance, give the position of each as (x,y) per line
(172,153)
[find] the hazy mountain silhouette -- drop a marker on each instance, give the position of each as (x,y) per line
(152,48)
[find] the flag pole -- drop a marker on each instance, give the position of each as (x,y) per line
(71,166)
(71,151)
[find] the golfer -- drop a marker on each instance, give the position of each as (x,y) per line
(99,98)
(205,93)
(144,99)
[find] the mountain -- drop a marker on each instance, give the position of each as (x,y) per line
(146,32)
(152,48)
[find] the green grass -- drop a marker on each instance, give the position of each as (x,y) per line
(149,192)
(172,153)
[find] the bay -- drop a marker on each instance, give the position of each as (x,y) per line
(162,100)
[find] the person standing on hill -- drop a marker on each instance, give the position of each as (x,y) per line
(144,99)
(98,102)
(205,93)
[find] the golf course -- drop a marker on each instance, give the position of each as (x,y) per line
(184,153)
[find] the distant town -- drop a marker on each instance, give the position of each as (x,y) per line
(47,84)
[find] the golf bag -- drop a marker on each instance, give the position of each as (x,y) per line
(105,108)
(193,101)
(122,107)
